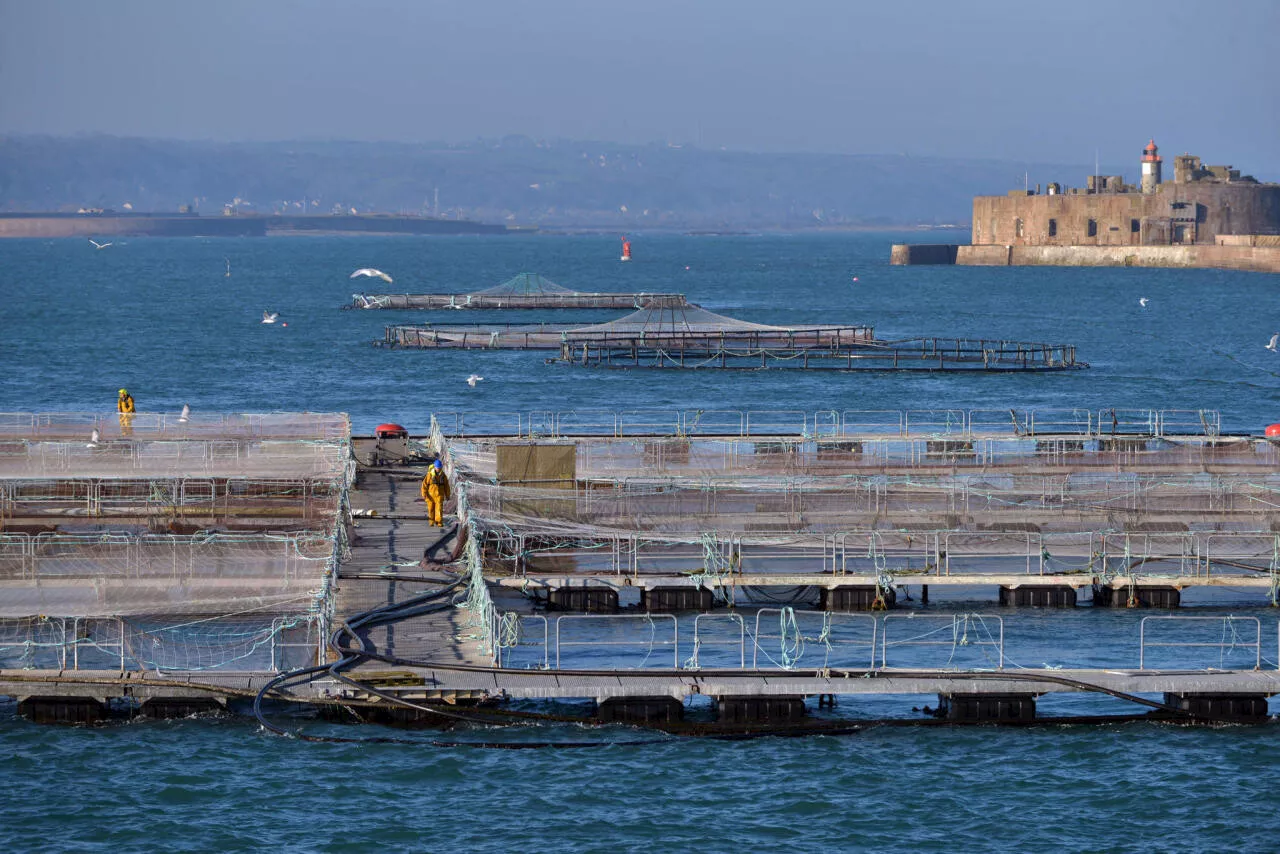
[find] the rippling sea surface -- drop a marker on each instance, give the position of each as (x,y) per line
(160,318)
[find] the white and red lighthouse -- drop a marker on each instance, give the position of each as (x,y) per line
(1150,167)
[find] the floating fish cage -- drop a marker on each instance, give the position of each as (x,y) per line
(525,291)
(812,350)
(982,500)
(205,543)
(688,336)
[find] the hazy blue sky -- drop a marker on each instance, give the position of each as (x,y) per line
(1020,79)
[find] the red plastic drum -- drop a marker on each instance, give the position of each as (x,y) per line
(1273,430)
(395,431)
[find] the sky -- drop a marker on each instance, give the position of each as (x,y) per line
(1001,79)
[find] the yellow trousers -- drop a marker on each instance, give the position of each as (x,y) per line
(435,505)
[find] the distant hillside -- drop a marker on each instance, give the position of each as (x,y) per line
(514,180)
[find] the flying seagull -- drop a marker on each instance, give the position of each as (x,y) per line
(97,245)
(1275,339)
(270,316)
(369,271)
(473,379)
(186,414)
(1142,301)
(93,438)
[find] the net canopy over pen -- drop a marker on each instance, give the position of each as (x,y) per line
(524,285)
(664,319)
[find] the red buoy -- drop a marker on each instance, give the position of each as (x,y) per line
(1273,430)
(390,431)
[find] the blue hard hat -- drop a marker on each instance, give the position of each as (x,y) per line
(438,465)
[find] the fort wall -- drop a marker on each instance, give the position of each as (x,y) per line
(1261,259)
(1176,214)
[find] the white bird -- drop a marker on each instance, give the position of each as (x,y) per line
(93,438)
(473,379)
(369,271)
(1142,301)
(270,316)
(97,245)
(1275,339)
(186,414)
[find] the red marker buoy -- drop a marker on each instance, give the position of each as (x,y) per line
(1272,431)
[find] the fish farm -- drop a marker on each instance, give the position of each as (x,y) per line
(524,291)
(684,335)
(632,562)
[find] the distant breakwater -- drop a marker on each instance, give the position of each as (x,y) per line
(194,225)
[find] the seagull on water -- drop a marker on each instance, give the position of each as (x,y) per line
(1142,301)
(1275,339)
(97,245)
(186,414)
(270,316)
(369,271)
(93,438)
(473,379)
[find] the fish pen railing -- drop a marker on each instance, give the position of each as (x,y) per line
(669,505)
(813,639)
(1051,423)
(720,559)
(692,461)
(613,627)
(51,426)
(273,558)
(787,639)
(814,350)
(540,336)
(225,644)
(136,457)
(969,641)
(1237,645)
(285,501)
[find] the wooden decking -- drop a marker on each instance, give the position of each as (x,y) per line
(387,565)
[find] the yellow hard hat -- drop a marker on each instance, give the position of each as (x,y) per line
(124,391)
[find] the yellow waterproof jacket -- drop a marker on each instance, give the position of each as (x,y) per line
(435,484)
(125,403)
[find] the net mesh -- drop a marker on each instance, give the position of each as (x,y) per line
(672,319)
(885,506)
(525,285)
(153,543)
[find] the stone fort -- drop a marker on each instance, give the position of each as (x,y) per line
(1201,205)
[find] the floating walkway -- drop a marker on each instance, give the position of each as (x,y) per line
(525,291)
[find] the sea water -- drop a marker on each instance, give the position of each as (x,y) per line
(162,318)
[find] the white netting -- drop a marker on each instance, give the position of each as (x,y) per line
(172,425)
(111,454)
(525,285)
(672,319)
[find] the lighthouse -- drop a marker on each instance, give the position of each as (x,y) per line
(1150,168)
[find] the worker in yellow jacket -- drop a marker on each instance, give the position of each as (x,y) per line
(125,406)
(435,491)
